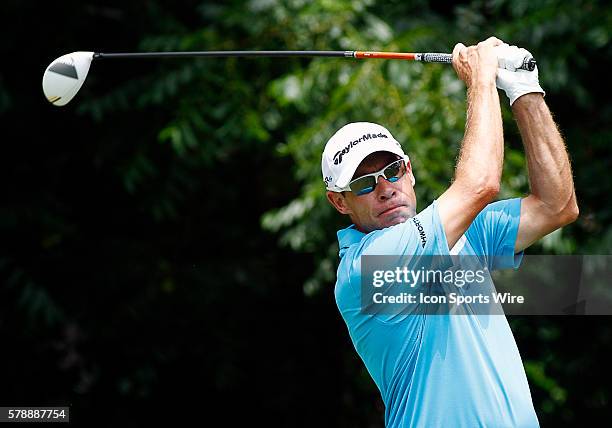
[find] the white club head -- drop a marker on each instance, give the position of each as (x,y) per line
(64,77)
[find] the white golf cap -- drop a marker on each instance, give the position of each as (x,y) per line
(350,145)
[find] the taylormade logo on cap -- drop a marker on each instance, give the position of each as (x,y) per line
(349,146)
(339,154)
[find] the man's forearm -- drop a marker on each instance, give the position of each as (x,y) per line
(550,174)
(480,159)
(482,151)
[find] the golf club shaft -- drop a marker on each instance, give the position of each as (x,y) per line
(529,63)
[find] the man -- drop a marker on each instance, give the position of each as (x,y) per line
(444,370)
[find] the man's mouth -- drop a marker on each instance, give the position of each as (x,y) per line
(391,210)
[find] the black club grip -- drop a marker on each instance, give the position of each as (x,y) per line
(529,63)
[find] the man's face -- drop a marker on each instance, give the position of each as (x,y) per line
(388,204)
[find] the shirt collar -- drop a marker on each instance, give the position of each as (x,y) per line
(348,237)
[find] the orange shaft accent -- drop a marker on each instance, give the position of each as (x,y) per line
(384,55)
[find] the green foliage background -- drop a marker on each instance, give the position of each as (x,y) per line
(166,240)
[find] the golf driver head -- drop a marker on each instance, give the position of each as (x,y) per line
(64,77)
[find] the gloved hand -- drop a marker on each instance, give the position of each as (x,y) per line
(515,82)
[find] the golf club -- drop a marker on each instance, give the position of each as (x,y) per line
(64,77)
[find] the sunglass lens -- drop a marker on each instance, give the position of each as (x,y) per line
(363,185)
(364,191)
(394,172)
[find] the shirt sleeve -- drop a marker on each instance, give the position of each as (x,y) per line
(493,234)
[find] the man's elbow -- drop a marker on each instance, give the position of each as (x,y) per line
(483,190)
(570,214)
(488,190)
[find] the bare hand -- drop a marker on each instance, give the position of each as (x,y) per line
(476,64)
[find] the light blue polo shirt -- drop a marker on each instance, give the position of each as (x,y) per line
(439,370)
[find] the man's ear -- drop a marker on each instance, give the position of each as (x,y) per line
(339,202)
(409,172)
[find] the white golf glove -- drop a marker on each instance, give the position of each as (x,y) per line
(514,81)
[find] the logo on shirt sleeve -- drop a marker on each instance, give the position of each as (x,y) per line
(422,234)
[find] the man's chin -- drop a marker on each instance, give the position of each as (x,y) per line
(394,218)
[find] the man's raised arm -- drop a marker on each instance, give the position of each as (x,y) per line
(478,170)
(552,202)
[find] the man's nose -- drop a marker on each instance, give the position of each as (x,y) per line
(385,190)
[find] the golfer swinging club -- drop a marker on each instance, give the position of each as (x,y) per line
(444,370)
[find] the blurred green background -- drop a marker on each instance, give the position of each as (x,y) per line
(167,251)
